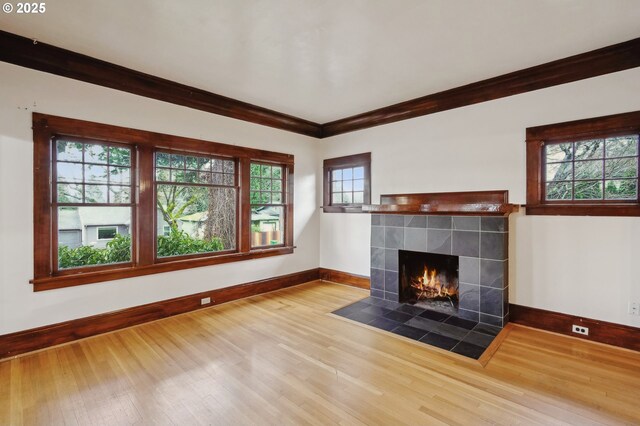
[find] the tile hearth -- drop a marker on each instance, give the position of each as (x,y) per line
(464,337)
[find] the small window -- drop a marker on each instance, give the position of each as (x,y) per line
(267,205)
(587,167)
(107,232)
(347,183)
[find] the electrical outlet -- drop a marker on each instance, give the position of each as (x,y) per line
(580,330)
(205,300)
(634,308)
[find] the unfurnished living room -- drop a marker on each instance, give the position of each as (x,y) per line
(355,212)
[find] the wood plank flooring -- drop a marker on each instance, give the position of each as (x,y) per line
(279,358)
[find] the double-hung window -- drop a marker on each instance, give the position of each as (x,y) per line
(114,202)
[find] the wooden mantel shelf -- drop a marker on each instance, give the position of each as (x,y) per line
(481,203)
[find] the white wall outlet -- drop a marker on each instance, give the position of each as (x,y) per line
(205,300)
(634,308)
(580,330)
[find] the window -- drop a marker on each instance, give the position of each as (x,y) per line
(267,204)
(196,199)
(107,232)
(347,183)
(111,203)
(586,167)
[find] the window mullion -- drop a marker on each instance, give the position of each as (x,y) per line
(244,211)
(145,215)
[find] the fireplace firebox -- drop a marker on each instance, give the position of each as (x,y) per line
(429,280)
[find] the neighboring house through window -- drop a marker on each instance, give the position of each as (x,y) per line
(347,183)
(586,167)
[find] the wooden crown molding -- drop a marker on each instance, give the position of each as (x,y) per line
(28,53)
(617,57)
(25,52)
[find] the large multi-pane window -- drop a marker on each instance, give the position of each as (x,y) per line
(196,199)
(585,167)
(93,202)
(114,202)
(267,204)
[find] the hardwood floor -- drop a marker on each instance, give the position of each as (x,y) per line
(279,358)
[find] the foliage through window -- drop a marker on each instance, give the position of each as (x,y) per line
(347,183)
(267,204)
(93,198)
(114,202)
(197,199)
(584,167)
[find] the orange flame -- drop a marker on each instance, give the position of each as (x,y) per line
(429,286)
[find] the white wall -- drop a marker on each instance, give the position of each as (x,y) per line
(23,91)
(586,266)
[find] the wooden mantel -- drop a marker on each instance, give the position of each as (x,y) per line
(472,203)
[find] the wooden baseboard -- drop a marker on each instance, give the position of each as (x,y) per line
(55,334)
(345,278)
(609,333)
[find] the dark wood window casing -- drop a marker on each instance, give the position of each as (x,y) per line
(572,135)
(353,204)
(144,145)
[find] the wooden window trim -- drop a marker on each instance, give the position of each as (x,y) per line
(144,144)
(537,137)
(331,164)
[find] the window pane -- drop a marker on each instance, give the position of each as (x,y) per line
(588,190)
(163,159)
(228,166)
(266,170)
(163,175)
(336,175)
(107,233)
(337,186)
(559,191)
(276,172)
(204,164)
(228,180)
(69,193)
(94,153)
(79,242)
(621,168)
(200,219)
(358,197)
(276,185)
(588,169)
(120,175)
(622,146)
(205,177)
(95,174)
(347,185)
(265,198)
(69,151)
(265,185)
(358,185)
(559,171)
(276,197)
(95,193)
(191,176)
(587,150)
(119,156)
(267,226)
(347,197)
(347,174)
(69,172)
(177,161)
(255,197)
(216,165)
(119,194)
(559,152)
(192,163)
(177,175)
(622,189)
(358,172)
(336,198)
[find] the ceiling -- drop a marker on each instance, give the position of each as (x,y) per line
(322,60)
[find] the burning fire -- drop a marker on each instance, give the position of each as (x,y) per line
(428,286)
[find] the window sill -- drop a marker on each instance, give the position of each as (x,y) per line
(342,209)
(70,280)
(627,209)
